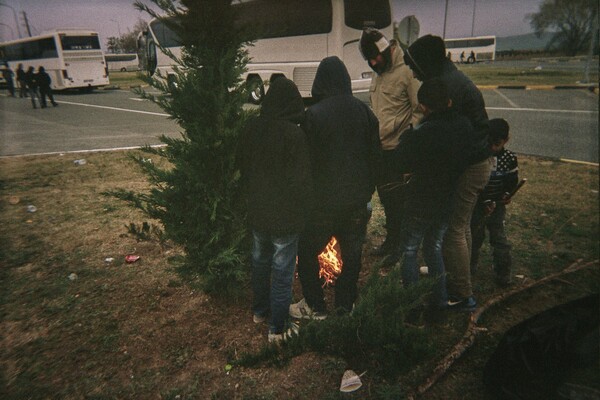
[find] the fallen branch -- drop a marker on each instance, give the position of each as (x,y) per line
(472,329)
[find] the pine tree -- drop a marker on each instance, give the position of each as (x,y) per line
(196,197)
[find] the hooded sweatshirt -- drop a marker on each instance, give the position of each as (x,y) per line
(274,163)
(427,59)
(343,137)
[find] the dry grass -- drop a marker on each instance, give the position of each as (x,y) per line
(121,330)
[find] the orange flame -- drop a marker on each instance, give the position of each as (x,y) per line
(330,262)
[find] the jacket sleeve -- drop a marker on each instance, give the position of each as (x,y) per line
(511,179)
(413,86)
(474,108)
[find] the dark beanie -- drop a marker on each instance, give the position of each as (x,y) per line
(433,93)
(498,129)
(427,54)
(372,43)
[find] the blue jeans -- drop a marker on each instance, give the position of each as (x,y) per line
(430,231)
(273,265)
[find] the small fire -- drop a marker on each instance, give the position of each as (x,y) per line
(330,262)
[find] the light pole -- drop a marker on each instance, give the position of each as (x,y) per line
(445,18)
(473,23)
(14,15)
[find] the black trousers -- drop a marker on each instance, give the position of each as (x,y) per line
(349,227)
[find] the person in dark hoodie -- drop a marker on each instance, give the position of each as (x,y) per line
(343,139)
(32,86)
(431,152)
(276,181)
(44,81)
(427,59)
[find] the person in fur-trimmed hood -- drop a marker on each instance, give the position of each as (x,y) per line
(426,57)
(393,95)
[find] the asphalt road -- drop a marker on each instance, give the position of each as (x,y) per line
(551,123)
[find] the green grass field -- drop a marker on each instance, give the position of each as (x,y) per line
(77,321)
(481,74)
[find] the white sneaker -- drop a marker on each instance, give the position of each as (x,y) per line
(278,338)
(301,310)
(258,319)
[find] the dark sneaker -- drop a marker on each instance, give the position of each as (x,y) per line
(414,317)
(457,304)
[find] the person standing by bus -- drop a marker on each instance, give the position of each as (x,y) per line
(21,81)
(8,75)
(394,101)
(427,58)
(31,83)
(43,82)
(343,139)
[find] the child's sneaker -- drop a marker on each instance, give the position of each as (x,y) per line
(278,338)
(301,310)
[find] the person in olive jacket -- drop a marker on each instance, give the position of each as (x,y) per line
(276,182)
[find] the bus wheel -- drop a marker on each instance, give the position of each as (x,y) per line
(256,90)
(470,60)
(123,69)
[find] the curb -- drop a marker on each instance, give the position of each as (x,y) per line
(591,88)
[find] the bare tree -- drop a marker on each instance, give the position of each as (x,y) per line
(127,42)
(570,20)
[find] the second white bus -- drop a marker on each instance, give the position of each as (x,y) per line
(72,57)
(122,62)
(471,50)
(295,37)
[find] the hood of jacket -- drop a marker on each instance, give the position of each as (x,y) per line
(426,57)
(283,101)
(332,79)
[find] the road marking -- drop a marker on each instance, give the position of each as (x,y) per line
(543,110)
(51,153)
(509,101)
(137,99)
(114,108)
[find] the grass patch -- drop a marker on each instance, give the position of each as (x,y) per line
(481,74)
(489,74)
(120,330)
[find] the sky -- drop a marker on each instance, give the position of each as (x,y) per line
(115,17)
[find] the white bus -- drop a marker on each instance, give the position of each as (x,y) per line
(122,62)
(472,49)
(294,37)
(72,57)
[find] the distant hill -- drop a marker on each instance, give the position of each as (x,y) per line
(528,41)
